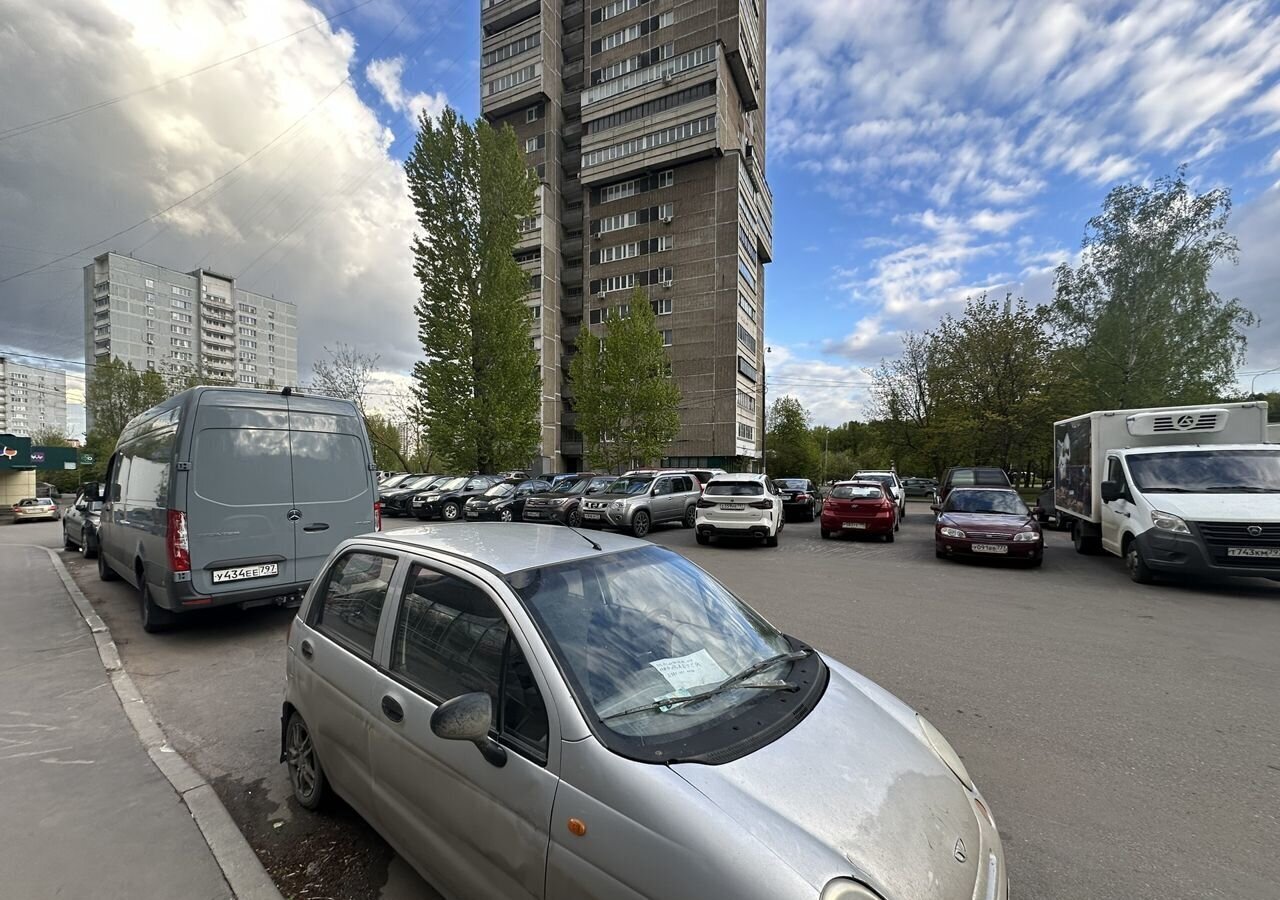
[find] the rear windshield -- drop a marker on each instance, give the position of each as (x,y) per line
(734,489)
(883,479)
(328,467)
(791,484)
(997,502)
(978,476)
(857,492)
(243,466)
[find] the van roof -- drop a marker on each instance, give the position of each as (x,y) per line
(508,547)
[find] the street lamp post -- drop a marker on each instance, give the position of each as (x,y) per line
(1259,375)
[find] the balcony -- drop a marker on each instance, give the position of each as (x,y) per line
(571,276)
(499,15)
(571,16)
(569,333)
(571,448)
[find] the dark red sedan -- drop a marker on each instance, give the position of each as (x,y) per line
(992,523)
(859,507)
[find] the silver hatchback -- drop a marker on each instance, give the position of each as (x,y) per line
(526,711)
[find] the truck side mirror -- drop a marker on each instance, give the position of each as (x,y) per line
(93,492)
(1111,490)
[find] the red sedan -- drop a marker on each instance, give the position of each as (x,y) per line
(987,522)
(859,507)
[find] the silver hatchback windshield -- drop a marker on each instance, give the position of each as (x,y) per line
(646,625)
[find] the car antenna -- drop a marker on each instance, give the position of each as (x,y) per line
(584,537)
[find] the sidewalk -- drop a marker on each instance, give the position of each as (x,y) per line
(83,810)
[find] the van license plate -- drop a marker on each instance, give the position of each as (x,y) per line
(990,548)
(266,570)
(1254,552)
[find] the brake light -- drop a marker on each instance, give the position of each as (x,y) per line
(377,515)
(705,504)
(761,504)
(176,542)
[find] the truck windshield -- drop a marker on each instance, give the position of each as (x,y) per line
(1207,472)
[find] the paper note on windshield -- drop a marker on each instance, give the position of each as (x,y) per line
(687,672)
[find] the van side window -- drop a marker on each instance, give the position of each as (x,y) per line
(1115,472)
(451,639)
(350,601)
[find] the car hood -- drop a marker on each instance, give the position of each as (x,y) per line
(1246,508)
(853,790)
(1001,524)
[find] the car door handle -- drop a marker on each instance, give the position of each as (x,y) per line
(307,650)
(392,709)
(316,526)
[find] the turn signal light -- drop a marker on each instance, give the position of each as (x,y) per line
(176,542)
(761,504)
(377,515)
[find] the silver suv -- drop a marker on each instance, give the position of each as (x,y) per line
(637,502)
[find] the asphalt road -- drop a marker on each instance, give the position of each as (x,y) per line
(1127,737)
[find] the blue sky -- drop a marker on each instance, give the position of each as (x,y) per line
(919,153)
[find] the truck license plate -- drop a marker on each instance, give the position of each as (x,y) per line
(990,548)
(1255,552)
(244,573)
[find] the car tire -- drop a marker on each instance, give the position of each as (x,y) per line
(87,548)
(888,538)
(690,517)
(574,519)
(826,535)
(813,513)
(306,776)
(1139,571)
(640,524)
(67,543)
(702,539)
(505,515)
(105,572)
(771,540)
(154,618)
(449,511)
(938,554)
(1036,562)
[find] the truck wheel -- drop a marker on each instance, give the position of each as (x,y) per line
(105,572)
(1139,571)
(1086,546)
(640,524)
(154,618)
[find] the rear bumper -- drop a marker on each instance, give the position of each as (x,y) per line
(1188,555)
(744,529)
(871,526)
(181,596)
(41,517)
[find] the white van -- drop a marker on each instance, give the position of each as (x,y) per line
(1173,491)
(224,496)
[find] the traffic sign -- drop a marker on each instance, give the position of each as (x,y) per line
(86,458)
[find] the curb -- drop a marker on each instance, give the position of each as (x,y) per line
(240,866)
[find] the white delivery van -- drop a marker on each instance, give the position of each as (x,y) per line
(1184,490)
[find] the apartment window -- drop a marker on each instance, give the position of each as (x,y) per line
(597,316)
(535,281)
(246,308)
(746,401)
(666,210)
(507,51)
(149,283)
(632,33)
(179,342)
(619,191)
(614,283)
(248,367)
(666,179)
(247,379)
(179,329)
(536,310)
(745,271)
(151,298)
(666,337)
(513,79)
(179,304)
(633,63)
(247,320)
(657,72)
(676,133)
(746,369)
(534,144)
(271,314)
(180,317)
(746,432)
(661,307)
(616,223)
(248,357)
(533,113)
(747,307)
(248,332)
(746,338)
(616,8)
(652,108)
(180,291)
(253,345)
(150,338)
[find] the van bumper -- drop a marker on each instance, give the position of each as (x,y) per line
(1185,554)
(182,597)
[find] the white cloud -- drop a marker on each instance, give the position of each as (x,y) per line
(833,393)
(320,217)
(386,76)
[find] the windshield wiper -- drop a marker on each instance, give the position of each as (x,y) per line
(733,681)
(1238,489)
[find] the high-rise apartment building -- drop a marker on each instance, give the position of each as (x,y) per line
(645,121)
(33,400)
(175,322)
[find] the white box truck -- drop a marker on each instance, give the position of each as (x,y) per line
(1175,491)
(1273,433)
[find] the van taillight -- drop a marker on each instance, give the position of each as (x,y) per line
(176,539)
(377,515)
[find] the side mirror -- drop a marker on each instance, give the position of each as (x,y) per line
(935,507)
(467,718)
(1111,491)
(1037,511)
(93,492)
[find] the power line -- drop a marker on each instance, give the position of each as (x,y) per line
(19,130)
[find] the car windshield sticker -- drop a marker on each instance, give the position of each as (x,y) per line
(687,672)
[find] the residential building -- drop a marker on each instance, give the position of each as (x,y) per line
(645,122)
(180,322)
(33,399)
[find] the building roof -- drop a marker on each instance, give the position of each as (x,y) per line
(510,547)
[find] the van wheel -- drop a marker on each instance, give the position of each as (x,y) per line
(310,787)
(154,618)
(449,512)
(1139,571)
(640,524)
(105,572)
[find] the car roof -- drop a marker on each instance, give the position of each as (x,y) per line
(506,547)
(983,487)
(737,476)
(875,472)
(863,482)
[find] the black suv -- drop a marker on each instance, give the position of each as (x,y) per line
(504,502)
(446,499)
(395,500)
(970,476)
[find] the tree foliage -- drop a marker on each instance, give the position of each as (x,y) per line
(478,385)
(1137,316)
(346,373)
(114,393)
(626,402)
(384,436)
(791,448)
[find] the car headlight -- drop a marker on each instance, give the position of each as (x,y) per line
(951,532)
(617,504)
(945,751)
(564,502)
(847,889)
(1169,522)
(1026,537)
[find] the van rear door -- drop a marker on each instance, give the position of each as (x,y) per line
(333,482)
(240,494)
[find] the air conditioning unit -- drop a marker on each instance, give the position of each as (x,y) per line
(668,77)
(603,294)
(667,284)
(666,220)
(751,150)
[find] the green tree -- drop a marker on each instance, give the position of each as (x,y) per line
(115,392)
(479,380)
(385,438)
(791,447)
(626,402)
(1137,316)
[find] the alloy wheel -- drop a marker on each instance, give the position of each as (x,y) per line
(301,757)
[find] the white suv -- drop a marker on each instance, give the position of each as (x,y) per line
(890,480)
(742,504)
